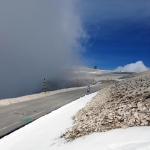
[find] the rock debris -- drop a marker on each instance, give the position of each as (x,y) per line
(121,105)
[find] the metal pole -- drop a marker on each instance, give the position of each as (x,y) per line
(45,86)
(77,83)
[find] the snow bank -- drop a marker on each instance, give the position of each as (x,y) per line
(44,133)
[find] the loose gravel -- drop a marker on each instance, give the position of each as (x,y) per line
(121,105)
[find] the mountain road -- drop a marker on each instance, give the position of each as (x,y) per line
(15,116)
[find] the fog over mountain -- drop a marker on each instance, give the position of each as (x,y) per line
(38,39)
(45,39)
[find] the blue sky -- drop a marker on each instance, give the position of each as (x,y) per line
(43,39)
(119,32)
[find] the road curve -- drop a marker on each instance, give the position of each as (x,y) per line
(15,116)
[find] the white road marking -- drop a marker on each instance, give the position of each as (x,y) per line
(61,103)
(19,121)
(32,116)
(56,105)
(68,101)
(9,125)
(37,113)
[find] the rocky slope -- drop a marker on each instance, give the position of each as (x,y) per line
(124,104)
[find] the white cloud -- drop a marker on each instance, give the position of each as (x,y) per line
(133,67)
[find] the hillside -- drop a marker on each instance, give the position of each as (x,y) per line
(124,104)
(43,134)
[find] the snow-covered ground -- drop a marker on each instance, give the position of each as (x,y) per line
(44,133)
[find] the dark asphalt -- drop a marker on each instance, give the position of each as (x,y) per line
(15,116)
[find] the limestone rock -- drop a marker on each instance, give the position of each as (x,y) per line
(121,105)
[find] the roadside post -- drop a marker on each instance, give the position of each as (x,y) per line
(77,83)
(93,80)
(44,85)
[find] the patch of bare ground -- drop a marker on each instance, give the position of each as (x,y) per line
(121,105)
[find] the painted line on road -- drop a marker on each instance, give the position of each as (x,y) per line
(33,115)
(9,125)
(36,113)
(61,103)
(56,105)
(20,121)
(67,101)
(70,100)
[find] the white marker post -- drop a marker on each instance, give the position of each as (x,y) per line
(77,83)
(45,86)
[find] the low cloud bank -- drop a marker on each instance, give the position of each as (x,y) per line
(38,39)
(133,67)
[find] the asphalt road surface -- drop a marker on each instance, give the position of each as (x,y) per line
(15,116)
